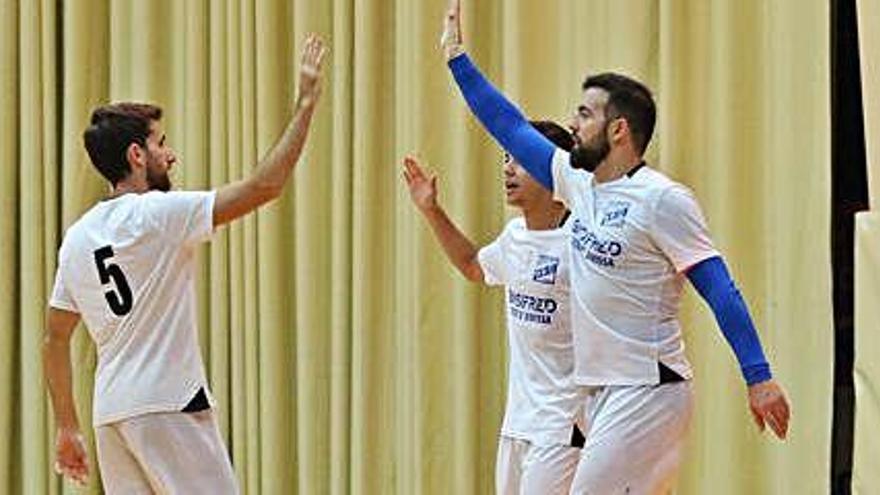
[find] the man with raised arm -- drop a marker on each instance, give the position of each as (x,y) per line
(127,269)
(635,236)
(538,445)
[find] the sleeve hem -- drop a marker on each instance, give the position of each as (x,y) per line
(57,304)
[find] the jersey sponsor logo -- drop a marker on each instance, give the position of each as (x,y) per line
(545,271)
(599,251)
(531,309)
(615,214)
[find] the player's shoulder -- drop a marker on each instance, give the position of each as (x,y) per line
(516,224)
(513,229)
(654,178)
(659,186)
(160,199)
(84,223)
(518,232)
(163,205)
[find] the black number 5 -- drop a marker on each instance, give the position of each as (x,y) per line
(120,301)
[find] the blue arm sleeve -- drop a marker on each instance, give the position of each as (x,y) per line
(712,280)
(504,121)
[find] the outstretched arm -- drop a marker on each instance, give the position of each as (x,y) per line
(458,248)
(767,400)
(498,115)
(268,179)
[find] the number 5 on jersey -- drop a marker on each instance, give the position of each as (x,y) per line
(120,300)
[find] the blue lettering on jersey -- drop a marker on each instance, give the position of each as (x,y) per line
(615,214)
(531,309)
(545,271)
(599,251)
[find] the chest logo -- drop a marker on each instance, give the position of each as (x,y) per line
(546,269)
(598,249)
(615,214)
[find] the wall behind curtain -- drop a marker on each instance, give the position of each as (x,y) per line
(345,354)
(869,55)
(866,479)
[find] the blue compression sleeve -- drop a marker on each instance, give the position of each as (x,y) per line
(712,280)
(504,121)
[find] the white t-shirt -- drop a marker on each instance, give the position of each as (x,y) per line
(542,399)
(127,267)
(632,239)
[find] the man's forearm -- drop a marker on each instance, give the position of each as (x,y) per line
(268,179)
(714,283)
(458,248)
(275,168)
(57,369)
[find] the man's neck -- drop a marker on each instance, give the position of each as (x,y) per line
(125,187)
(543,217)
(612,169)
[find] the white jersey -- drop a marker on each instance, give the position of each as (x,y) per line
(632,239)
(127,267)
(542,399)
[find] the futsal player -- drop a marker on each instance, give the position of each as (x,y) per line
(127,269)
(536,455)
(636,236)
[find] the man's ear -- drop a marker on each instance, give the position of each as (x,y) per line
(135,155)
(618,129)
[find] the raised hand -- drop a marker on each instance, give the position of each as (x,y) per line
(310,69)
(71,458)
(769,406)
(451,41)
(422,188)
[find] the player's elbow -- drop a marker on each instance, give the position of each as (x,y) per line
(473,272)
(266,189)
(53,339)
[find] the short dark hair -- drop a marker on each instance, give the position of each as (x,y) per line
(111,131)
(631,100)
(555,133)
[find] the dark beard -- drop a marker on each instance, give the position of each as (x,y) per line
(587,157)
(158,182)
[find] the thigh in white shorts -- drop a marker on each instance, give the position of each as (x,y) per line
(165,453)
(635,440)
(524,468)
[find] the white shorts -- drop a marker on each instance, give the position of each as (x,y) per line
(163,453)
(635,439)
(523,468)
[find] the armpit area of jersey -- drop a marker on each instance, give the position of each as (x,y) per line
(668,375)
(577,437)
(198,403)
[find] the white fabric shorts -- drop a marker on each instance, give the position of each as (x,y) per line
(165,453)
(634,440)
(524,468)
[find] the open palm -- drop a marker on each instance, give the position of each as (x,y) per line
(422,187)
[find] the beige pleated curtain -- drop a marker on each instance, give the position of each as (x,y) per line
(345,353)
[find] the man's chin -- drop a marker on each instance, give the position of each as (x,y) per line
(581,159)
(161,187)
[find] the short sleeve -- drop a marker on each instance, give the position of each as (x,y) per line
(492,259)
(60,297)
(679,229)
